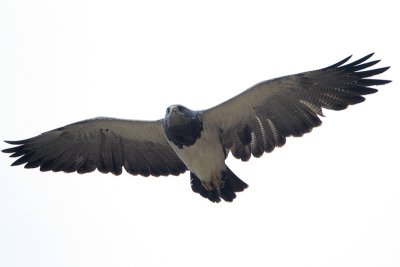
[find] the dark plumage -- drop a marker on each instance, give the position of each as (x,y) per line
(182,130)
(254,122)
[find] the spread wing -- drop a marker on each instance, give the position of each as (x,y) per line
(103,143)
(260,118)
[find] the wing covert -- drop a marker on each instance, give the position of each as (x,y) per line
(105,144)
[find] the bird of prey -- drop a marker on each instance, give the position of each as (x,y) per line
(249,124)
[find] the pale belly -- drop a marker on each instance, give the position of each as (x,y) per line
(205,159)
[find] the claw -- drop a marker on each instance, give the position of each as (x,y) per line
(207,185)
(214,184)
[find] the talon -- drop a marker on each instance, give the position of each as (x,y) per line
(207,185)
(216,183)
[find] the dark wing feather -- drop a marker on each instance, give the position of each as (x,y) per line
(260,118)
(103,143)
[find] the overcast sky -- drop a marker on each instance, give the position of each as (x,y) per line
(330,198)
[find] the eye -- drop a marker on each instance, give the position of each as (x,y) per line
(180,108)
(168,110)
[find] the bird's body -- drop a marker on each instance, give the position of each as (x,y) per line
(250,124)
(199,148)
(204,158)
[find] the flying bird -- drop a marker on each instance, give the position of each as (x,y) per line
(249,124)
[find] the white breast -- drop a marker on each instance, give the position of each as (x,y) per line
(205,157)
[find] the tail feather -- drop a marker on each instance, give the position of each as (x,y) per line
(234,182)
(229,186)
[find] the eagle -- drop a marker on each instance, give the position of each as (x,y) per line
(249,124)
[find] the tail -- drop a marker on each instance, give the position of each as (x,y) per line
(230,184)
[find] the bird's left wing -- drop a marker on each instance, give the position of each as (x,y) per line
(260,118)
(103,143)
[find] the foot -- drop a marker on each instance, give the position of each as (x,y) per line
(214,184)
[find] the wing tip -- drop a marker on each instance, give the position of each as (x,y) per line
(338,64)
(17,145)
(369,55)
(13,142)
(352,64)
(8,150)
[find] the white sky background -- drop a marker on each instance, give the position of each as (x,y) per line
(330,198)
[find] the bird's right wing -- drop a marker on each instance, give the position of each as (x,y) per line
(103,143)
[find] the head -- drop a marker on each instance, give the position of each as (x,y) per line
(182,126)
(178,111)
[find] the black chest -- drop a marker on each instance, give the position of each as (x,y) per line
(183,131)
